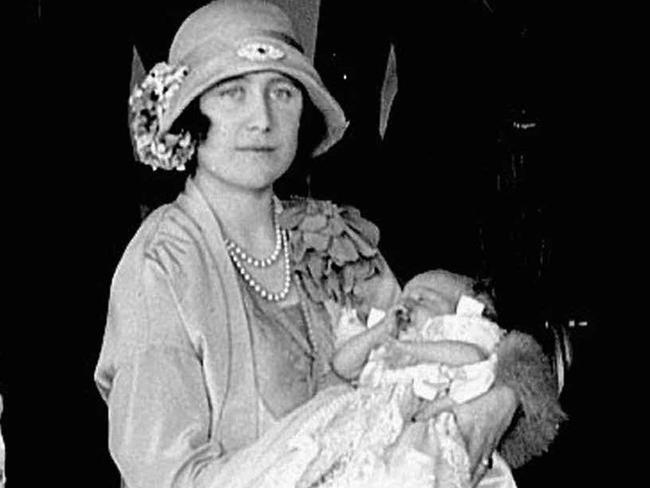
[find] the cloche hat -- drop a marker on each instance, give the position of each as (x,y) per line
(228,38)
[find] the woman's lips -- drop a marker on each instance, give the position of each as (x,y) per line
(256,148)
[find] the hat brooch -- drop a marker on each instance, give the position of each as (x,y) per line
(259,51)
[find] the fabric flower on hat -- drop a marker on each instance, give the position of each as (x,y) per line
(148,103)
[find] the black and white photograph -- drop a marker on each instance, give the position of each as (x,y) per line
(305,243)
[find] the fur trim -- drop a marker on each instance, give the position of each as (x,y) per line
(523,366)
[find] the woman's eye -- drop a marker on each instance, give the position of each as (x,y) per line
(284,92)
(234,92)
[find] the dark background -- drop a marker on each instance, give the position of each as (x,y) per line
(530,216)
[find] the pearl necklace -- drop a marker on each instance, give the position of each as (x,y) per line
(234,249)
(252,282)
(264,262)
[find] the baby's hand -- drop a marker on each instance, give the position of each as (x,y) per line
(396,321)
(386,329)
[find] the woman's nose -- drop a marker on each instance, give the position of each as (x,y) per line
(260,116)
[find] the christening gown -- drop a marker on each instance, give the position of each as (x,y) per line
(345,436)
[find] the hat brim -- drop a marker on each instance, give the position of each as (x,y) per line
(229,64)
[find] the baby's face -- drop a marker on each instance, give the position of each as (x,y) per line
(423,306)
(413,314)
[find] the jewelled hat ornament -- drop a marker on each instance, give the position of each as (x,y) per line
(221,40)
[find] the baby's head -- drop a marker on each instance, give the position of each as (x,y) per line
(419,304)
(415,314)
(438,292)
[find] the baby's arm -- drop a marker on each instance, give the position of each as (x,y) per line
(350,358)
(451,353)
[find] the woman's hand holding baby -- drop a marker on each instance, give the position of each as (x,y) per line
(482,423)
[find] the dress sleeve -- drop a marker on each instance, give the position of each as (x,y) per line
(151,377)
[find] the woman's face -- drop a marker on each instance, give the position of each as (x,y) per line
(253,134)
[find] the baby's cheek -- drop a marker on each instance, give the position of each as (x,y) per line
(433,308)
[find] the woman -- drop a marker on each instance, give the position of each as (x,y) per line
(207,346)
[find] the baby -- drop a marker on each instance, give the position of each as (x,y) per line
(420,330)
(405,322)
(417,352)
(434,360)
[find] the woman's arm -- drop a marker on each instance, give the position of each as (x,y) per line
(482,423)
(519,416)
(524,394)
(160,418)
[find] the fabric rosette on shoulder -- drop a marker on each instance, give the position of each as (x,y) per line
(334,249)
(148,104)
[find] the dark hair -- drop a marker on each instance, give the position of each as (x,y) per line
(160,187)
(197,124)
(311,132)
